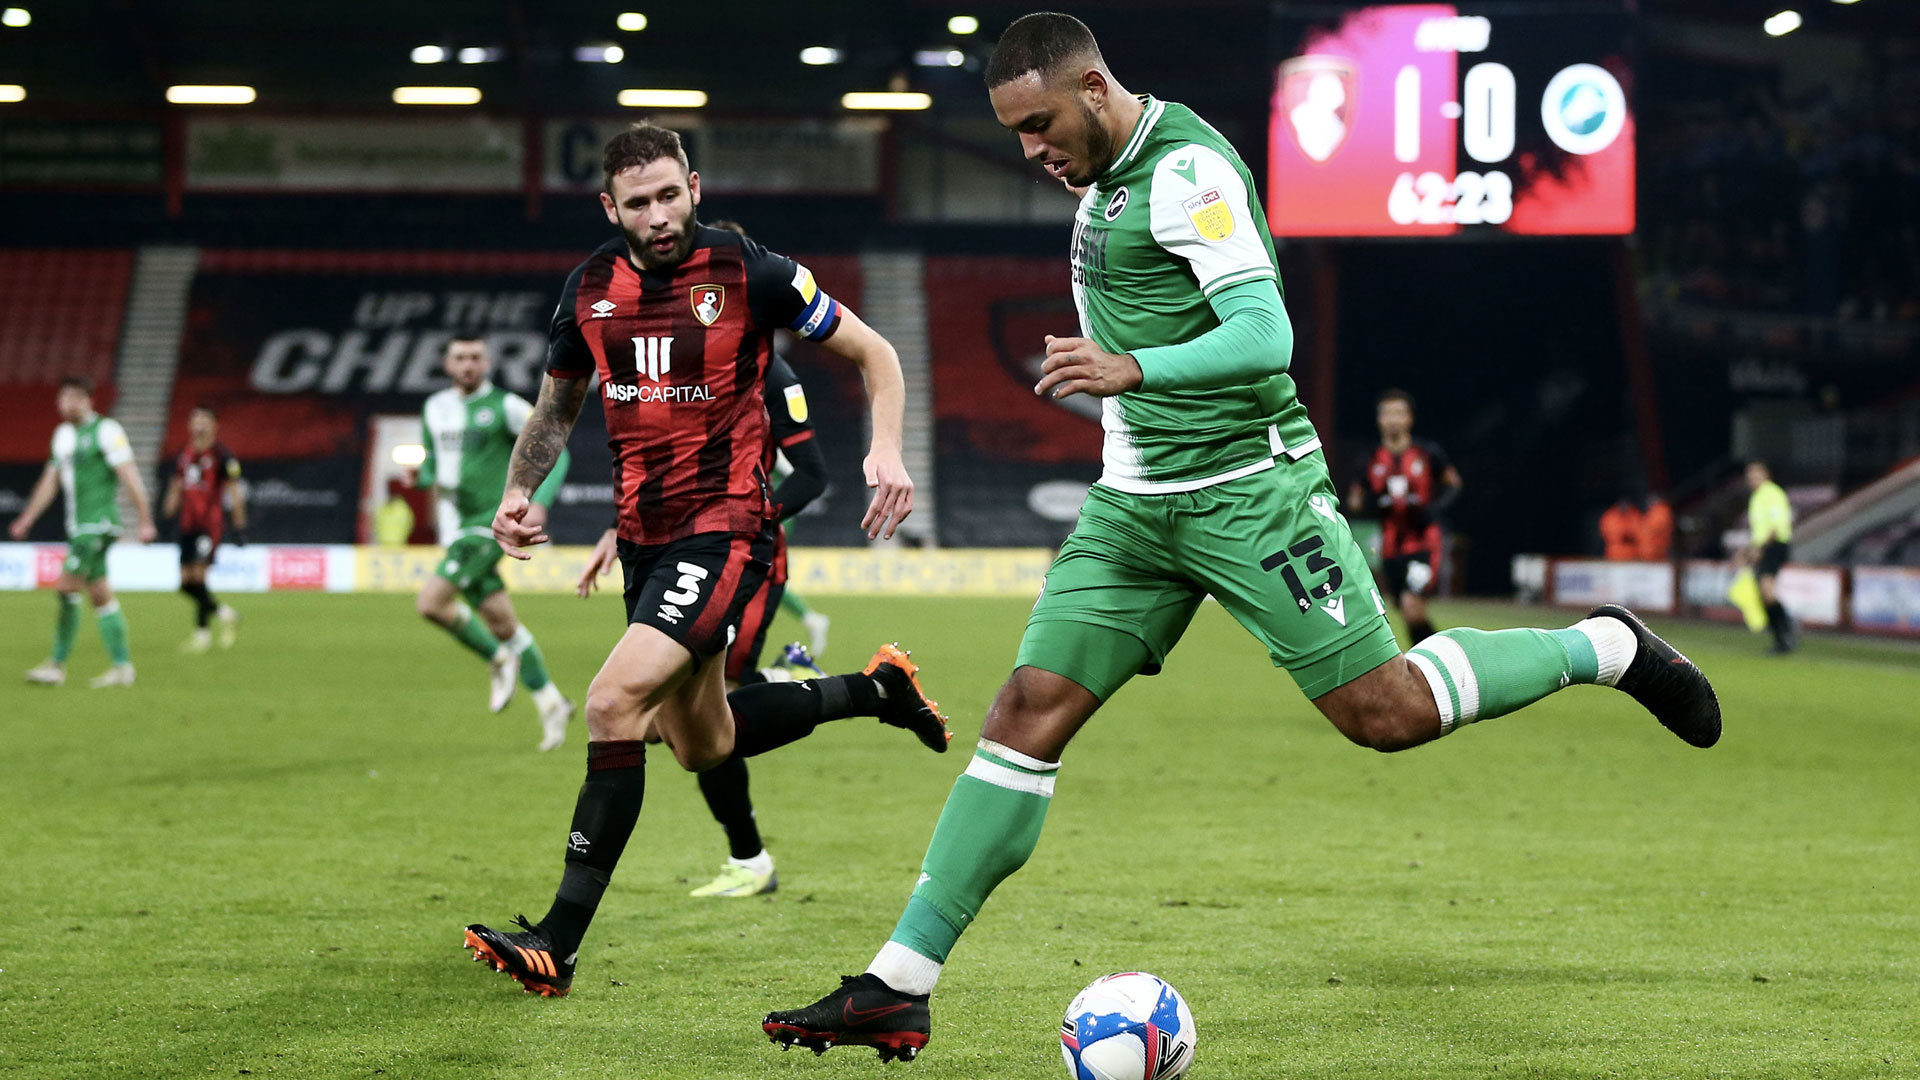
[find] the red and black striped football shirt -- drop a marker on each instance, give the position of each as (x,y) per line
(203,476)
(1405,486)
(682,356)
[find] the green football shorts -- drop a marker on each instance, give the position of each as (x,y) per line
(87,555)
(1273,548)
(472,563)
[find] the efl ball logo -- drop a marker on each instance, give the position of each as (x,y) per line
(1583,109)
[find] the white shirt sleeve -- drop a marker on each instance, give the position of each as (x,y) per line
(1200,212)
(518,409)
(113,443)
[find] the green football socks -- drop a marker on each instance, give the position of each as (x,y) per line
(1481,674)
(533,666)
(987,830)
(65,625)
(473,633)
(113,631)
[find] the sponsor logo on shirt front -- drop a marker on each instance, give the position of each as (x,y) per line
(651,393)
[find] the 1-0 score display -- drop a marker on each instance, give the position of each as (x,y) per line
(1419,120)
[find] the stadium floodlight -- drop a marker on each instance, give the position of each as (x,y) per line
(905,102)
(599,54)
(1846,1)
(939,58)
(436,95)
(210,95)
(428,54)
(1782,23)
(819,55)
(12,92)
(409,455)
(16,17)
(631,21)
(476,55)
(962,25)
(663,99)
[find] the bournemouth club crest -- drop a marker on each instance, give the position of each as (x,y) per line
(1317,98)
(707,301)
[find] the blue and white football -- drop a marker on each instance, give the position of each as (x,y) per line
(1130,1026)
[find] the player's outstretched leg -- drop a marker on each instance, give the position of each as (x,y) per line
(770,715)
(749,870)
(987,831)
(1475,675)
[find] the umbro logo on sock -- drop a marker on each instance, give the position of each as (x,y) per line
(578,842)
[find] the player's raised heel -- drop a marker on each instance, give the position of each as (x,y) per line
(1666,683)
(863,1012)
(907,705)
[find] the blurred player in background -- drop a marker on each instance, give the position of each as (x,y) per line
(90,459)
(469,430)
(205,475)
(1408,483)
(1769,544)
(677,319)
(1214,484)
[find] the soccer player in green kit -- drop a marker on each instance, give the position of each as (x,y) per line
(90,459)
(1215,484)
(469,429)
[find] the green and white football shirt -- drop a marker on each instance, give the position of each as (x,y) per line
(469,440)
(86,455)
(1170,223)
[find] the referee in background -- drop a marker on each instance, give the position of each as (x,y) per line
(1770,521)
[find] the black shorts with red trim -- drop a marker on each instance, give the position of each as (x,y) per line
(1415,572)
(695,590)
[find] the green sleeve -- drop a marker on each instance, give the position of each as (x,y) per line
(1253,341)
(549,488)
(429,468)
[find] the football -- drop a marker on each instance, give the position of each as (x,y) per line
(1130,1026)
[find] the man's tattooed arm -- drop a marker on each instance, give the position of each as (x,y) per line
(545,435)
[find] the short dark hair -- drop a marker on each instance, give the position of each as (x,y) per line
(1041,42)
(730,225)
(457,338)
(77,382)
(641,144)
(1394,394)
(1768,469)
(208,409)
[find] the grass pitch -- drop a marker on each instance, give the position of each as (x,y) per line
(259,862)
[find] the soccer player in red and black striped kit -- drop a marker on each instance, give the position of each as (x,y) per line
(677,319)
(204,475)
(1407,483)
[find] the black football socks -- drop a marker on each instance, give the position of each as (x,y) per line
(603,820)
(767,716)
(725,786)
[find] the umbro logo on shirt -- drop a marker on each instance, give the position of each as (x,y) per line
(602,308)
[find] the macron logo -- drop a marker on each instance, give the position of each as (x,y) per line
(603,308)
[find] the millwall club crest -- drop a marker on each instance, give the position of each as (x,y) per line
(707,300)
(1317,98)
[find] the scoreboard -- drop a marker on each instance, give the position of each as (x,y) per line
(1434,120)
